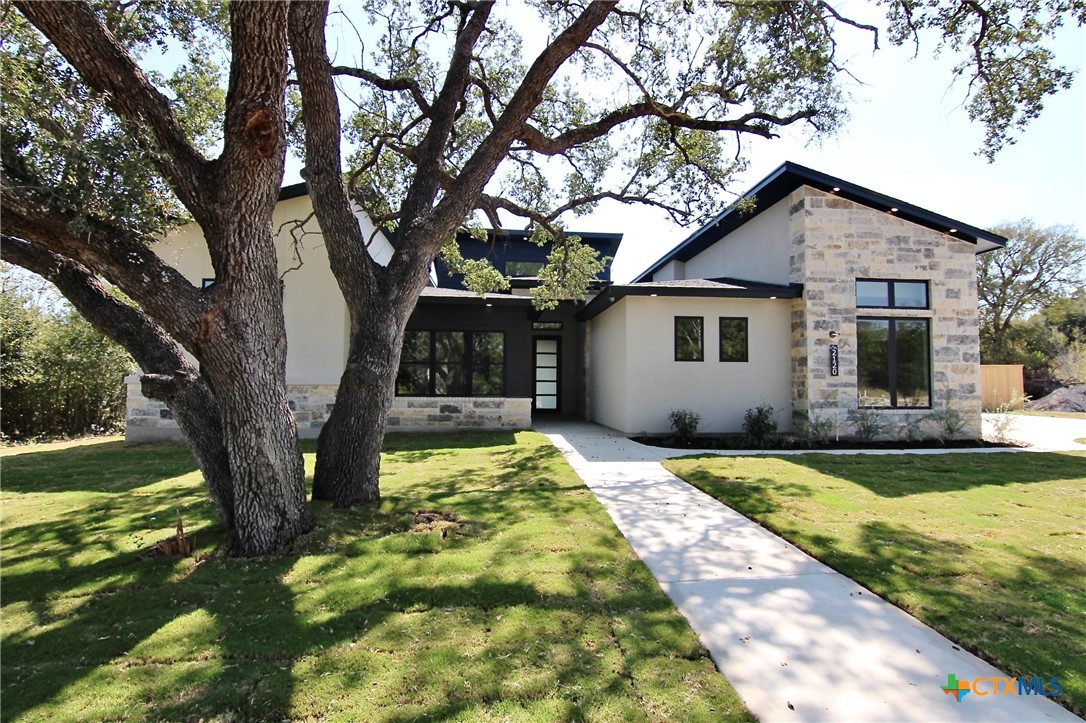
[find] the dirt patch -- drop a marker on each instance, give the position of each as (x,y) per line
(426,521)
(1068,399)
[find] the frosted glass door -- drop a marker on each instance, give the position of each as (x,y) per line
(546,374)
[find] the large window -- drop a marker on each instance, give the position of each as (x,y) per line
(885,294)
(733,339)
(452,364)
(689,338)
(893,362)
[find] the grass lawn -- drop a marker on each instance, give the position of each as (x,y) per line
(989,549)
(530,607)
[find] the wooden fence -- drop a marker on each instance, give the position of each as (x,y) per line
(1001,384)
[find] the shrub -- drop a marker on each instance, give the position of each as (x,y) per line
(685,424)
(819,429)
(760,424)
(867,423)
(912,429)
(60,376)
(949,420)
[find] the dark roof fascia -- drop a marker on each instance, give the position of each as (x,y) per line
(612,294)
(788,177)
(295,190)
(476,300)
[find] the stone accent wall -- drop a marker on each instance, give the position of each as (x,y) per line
(150,421)
(834,242)
(426,414)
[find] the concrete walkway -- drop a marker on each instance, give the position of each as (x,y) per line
(798,641)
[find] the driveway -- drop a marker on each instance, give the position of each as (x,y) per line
(1041,434)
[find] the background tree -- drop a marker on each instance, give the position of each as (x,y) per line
(631,105)
(1037,267)
(235,328)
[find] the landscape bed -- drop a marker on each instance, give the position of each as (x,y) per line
(989,550)
(510,597)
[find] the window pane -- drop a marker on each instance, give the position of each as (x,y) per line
(488,368)
(873,362)
(733,339)
(872,293)
(911,294)
(546,375)
(413,379)
(416,346)
(689,338)
(913,365)
(523,268)
(449,380)
(449,346)
(547,345)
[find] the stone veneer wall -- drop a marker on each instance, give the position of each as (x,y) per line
(150,421)
(835,241)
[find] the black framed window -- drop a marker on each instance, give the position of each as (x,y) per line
(886,294)
(523,268)
(452,364)
(689,338)
(893,360)
(733,339)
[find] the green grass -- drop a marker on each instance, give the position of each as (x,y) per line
(534,608)
(988,549)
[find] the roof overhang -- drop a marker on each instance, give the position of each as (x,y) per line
(696,288)
(790,176)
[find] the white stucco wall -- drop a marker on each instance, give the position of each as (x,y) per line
(316,315)
(756,251)
(607,353)
(636,393)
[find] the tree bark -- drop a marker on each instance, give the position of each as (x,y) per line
(169,377)
(235,328)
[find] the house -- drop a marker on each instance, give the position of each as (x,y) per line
(834,304)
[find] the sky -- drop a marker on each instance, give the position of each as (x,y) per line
(908,137)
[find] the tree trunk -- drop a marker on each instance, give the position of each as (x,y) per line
(170,377)
(349,446)
(196,412)
(242,347)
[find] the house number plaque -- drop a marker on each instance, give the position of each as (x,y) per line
(833,360)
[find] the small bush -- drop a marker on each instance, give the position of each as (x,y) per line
(867,423)
(760,424)
(685,425)
(912,429)
(949,420)
(819,429)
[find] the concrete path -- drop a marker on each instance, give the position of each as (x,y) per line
(1040,434)
(798,641)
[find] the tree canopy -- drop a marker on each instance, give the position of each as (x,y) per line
(461,117)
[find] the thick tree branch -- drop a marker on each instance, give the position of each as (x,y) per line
(118,255)
(461,197)
(351,263)
(387,84)
(168,375)
(105,65)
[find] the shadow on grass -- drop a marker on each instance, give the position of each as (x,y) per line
(94,468)
(334,627)
(903,475)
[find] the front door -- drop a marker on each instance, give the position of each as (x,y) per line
(545,379)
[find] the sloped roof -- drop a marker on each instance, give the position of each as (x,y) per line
(790,176)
